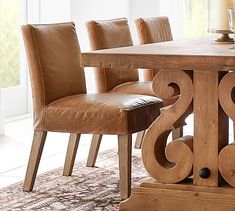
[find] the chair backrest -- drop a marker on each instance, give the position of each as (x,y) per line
(53,55)
(110,34)
(153,30)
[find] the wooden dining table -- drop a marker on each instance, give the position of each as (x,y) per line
(196,172)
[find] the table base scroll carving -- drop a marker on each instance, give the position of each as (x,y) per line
(170,163)
(198,192)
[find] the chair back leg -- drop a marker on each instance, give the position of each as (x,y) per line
(177,133)
(71,153)
(39,138)
(94,149)
(139,139)
(124,149)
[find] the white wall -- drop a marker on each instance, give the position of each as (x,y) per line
(85,10)
(174,10)
(141,9)
(152,8)
(55,11)
(48,11)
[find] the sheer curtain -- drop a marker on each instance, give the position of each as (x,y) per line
(188,18)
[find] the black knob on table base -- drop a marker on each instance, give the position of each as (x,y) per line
(205,173)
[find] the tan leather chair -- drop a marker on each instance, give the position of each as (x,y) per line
(62,105)
(153,30)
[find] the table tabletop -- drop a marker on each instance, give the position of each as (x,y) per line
(199,53)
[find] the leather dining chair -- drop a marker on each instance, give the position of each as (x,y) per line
(62,105)
(154,30)
(104,34)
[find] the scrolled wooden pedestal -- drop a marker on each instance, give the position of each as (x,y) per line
(190,173)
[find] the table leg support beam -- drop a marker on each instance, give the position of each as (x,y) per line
(208,133)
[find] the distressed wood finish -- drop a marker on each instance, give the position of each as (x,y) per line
(199,54)
(39,138)
(162,162)
(71,153)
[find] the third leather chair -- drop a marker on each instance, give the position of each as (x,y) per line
(62,105)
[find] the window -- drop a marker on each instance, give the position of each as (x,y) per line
(188,18)
(9,43)
(13,71)
(196,18)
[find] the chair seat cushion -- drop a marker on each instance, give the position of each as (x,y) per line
(108,113)
(142,88)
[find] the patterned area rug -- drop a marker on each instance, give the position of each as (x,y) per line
(92,189)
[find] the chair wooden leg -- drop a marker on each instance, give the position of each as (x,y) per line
(71,153)
(124,146)
(94,149)
(139,139)
(39,138)
(177,133)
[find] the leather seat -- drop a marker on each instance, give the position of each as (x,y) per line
(113,114)
(61,103)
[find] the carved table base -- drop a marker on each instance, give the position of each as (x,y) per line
(206,157)
(153,196)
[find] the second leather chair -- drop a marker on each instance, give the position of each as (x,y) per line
(104,34)
(111,34)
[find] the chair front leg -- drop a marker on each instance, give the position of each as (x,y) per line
(94,149)
(71,153)
(124,149)
(39,138)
